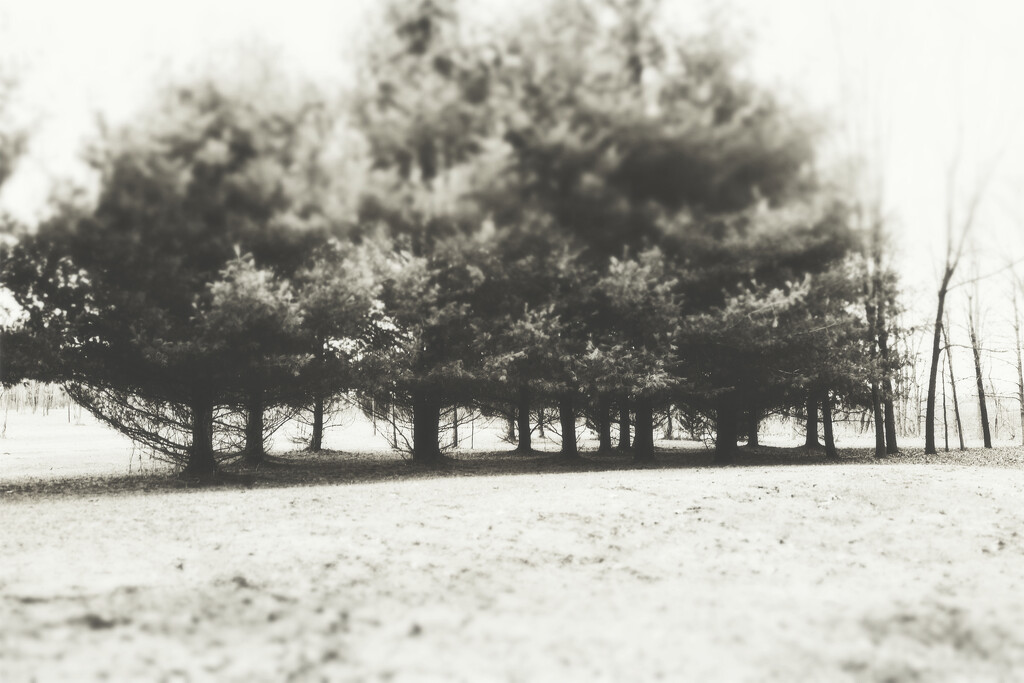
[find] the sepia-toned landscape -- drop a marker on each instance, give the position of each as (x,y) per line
(563,340)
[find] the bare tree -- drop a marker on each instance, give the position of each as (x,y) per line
(957,230)
(972,326)
(952,385)
(1017,349)
(945,420)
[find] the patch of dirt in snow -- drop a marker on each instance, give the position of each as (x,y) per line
(585,570)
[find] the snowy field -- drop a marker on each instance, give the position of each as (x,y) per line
(507,568)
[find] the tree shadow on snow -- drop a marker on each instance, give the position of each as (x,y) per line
(339,468)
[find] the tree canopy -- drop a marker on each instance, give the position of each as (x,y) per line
(598,215)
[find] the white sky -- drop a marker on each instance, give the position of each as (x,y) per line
(911,69)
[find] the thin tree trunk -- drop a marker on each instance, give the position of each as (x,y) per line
(952,386)
(726,428)
(426,418)
(540,422)
(394,424)
(567,417)
(254,452)
(670,433)
(604,424)
(871,306)
(455,426)
(826,423)
(945,416)
(812,423)
(919,416)
(998,405)
(891,446)
(523,418)
(1020,365)
(933,372)
(623,424)
(643,443)
(985,432)
(510,429)
(201,462)
(316,439)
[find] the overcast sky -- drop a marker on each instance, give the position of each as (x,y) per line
(913,71)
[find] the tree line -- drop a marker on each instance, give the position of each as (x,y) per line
(583,213)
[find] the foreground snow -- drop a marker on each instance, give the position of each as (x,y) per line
(844,572)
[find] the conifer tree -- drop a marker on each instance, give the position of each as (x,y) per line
(121,286)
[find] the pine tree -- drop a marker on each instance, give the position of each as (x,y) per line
(122,286)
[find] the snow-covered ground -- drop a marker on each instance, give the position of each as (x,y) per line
(855,571)
(74,443)
(858,572)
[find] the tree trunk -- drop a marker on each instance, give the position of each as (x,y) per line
(670,432)
(604,424)
(753,426)
(540,422)
(726,428)
(623,424)
(998,405)
(933,372)
(254,452)
(878,419)
(510,429)
(945,415)
(316,439)
(889,416)
(426,418)
(643,442)
(812,423)
(201,462)
(523,418)
(983,407)
(567,417)
(455,426)
(891,446)
(952,386)
(826,423)
(1020,365)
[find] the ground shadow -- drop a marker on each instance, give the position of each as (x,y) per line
(338,468)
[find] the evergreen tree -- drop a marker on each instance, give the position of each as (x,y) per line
(632,352)
(121,287)
(757,274)
(423,106)
(253,321)
(430,360)
(338,295)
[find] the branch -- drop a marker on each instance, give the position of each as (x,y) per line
(975,201)
(979,278)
